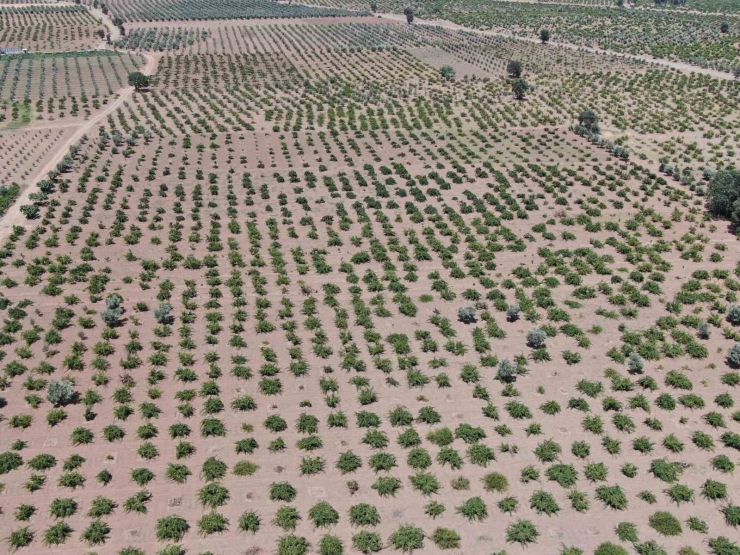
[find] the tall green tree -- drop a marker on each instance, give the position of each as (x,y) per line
(138,80)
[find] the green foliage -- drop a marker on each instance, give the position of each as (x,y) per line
(665,523)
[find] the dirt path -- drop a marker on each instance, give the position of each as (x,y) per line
(14,216)
(681,66)
(115,32)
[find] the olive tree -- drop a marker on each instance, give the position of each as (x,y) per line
(466,314)
(60,393)
(408,11)
(514,69)
(138,80)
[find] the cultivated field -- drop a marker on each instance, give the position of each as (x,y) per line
(49,28)
(277,281)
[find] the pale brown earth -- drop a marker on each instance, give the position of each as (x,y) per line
(203,115)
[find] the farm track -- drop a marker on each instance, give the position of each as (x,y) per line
(14,216)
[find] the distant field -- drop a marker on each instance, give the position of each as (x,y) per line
(71,76)
(48,28)
(169,10)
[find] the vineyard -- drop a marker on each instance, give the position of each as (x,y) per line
(48,28)
(276,281)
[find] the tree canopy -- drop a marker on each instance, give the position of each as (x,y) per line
(514,69)
(138,80)
(724,195)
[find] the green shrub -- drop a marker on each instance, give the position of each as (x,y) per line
(495,482)
(407,538)
(282,491)
(250,521)
(522,532)
(212,523)
(732,515)
(626,532)
(331,545)
(293,545)
(367,542)
(287,517)
(96,533)
(57,534)
(474,509)
(20,538)
(665,523)
(364,514)
(171,528)
(612,496)
(445,538)
(323,515)
(608,548)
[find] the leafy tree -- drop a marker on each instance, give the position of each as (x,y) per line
(544,36)
(733,314)
(448,72)
(506,369)
(30,211)
(635,363)
(60,392)
(113,301)
(162,313)
(536,338)
(138,80)
(466,314)
(725,27)
(408,11)
(724,195)
(514,69)
(733,355)
(589,120)
(519,87)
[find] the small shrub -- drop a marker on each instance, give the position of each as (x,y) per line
(665,523)
(522,532)
(445,538)
(407,538)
